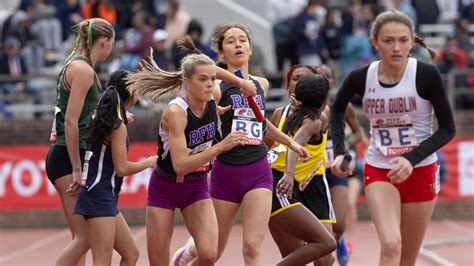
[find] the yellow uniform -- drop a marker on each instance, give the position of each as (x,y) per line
(317,162)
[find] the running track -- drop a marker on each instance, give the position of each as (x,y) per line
(446,243)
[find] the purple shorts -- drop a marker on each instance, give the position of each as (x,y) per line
(230,182)
(170,195)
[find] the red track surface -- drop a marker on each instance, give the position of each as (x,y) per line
(447,242)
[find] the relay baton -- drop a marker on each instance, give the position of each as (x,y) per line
(346,161)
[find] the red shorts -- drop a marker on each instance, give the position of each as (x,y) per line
(421,185)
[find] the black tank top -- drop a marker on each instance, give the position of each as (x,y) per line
(201,133)
(230,95)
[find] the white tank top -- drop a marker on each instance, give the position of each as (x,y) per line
(399,118)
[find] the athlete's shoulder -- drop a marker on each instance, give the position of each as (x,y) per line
(356,76)
(263,83)
(359,73)
(426,68)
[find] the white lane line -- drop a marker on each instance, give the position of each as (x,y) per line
(35,245)
(435,258)
(458,227)
(448,242)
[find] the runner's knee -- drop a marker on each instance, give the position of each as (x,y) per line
(208,256)
(392,247)
(251,247)
(130,257)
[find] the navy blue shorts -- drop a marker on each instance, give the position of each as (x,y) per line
(97,202)
(334,180)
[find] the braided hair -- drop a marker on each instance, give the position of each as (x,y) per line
(110,110)
(312,91)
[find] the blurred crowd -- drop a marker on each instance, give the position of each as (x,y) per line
(311,33)
(39,33)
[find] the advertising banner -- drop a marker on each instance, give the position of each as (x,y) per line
(25,186)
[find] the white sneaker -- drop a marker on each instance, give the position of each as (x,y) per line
(182,256)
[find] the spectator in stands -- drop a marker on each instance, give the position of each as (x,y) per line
(45,25)
(281,14)
(195,31)
(160,53)
(427,11)
(349,16)
(470,80)
(70,14)
(177,21)
(257,62)
(463,36)
(466,9)
(331,35)
(370,12)
(13,66)
(100,9)
(356,48)
(18,26)
(305,31)
(452,56)
(405,7)
(137,41)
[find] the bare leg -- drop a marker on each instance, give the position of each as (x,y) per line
(339,201)
(383,201)
(285,242)
(201,221)
(256,209)
(351,218)
(159,230)
(74,252)
(101,234)
(415,220)
(296,224)
(225,213)
(124,242)
(329,258)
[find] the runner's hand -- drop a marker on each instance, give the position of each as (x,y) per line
(336,167)
(77,182)
(247,88)
(285,185)
(151,161)
(221,110)
(294,103)
(401,171)
(233,139)
(130,117)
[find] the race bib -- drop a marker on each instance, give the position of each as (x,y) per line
(394,136)
(198,149)
(329,153)
(244,121)
(305,182)
(85,168)
(272,154)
